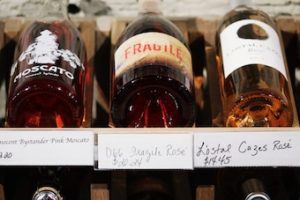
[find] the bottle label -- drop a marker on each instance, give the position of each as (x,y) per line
(153,48)
(251,42)
(41,57)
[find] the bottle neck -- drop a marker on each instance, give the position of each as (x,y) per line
(49,183)
(48,193)
(54,10)
(236,3)
(254,189)
(149,7)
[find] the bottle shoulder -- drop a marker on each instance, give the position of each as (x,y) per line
(59,27)
(151,23)
(243,13)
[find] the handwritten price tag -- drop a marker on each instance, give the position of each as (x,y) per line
(46,148)
(145,151)
(246,149)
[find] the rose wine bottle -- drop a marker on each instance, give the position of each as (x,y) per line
(47,79)
(152,77)
(254,80)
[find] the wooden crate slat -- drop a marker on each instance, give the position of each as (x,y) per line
(198,59)
(2,194)
(208,28)
(297,22)
(214,87)
(99,192)
(288,29)
(287,26)
(104,24)
(102,70)
(118,185)
(3,71)
(181,186)
(183,27)
(103,40)
(205,193)
(117,29)
(13,26)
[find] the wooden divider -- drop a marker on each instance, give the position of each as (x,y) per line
(2,194)
(118,185)
(99,192)
(205,193)
(3,72)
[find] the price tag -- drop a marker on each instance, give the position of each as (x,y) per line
(46,148)
(145,151)
(246,149)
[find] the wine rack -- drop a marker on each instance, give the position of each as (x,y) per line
(100,36)
(100,192)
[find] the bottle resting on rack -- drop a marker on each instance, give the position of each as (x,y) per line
(47,79)
(46,193)
(149,186)
(254,79)
(48,184)
(152,77)
(250,184)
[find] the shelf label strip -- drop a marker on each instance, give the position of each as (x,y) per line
(145,151)
(47,148)
(232,149)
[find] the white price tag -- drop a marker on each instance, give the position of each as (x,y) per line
(46,148)
(145,151)
(246,149)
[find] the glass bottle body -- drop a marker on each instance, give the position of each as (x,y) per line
(152,92)
(255,93)
(47,78)
(250,184)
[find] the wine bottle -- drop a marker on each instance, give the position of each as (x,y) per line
(152,77)
(47,79)
(250,184)
(48,183)
(254,81)
(149,186)
(253,189)
(46,193)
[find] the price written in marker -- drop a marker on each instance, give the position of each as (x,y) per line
(46,148)
(145,151)
(6,155)
(246,149)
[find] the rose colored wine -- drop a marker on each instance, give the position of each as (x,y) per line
(47,79)
(252,71)
(152,80)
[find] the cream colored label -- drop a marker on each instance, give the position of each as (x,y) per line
(238,51)
(153,48)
